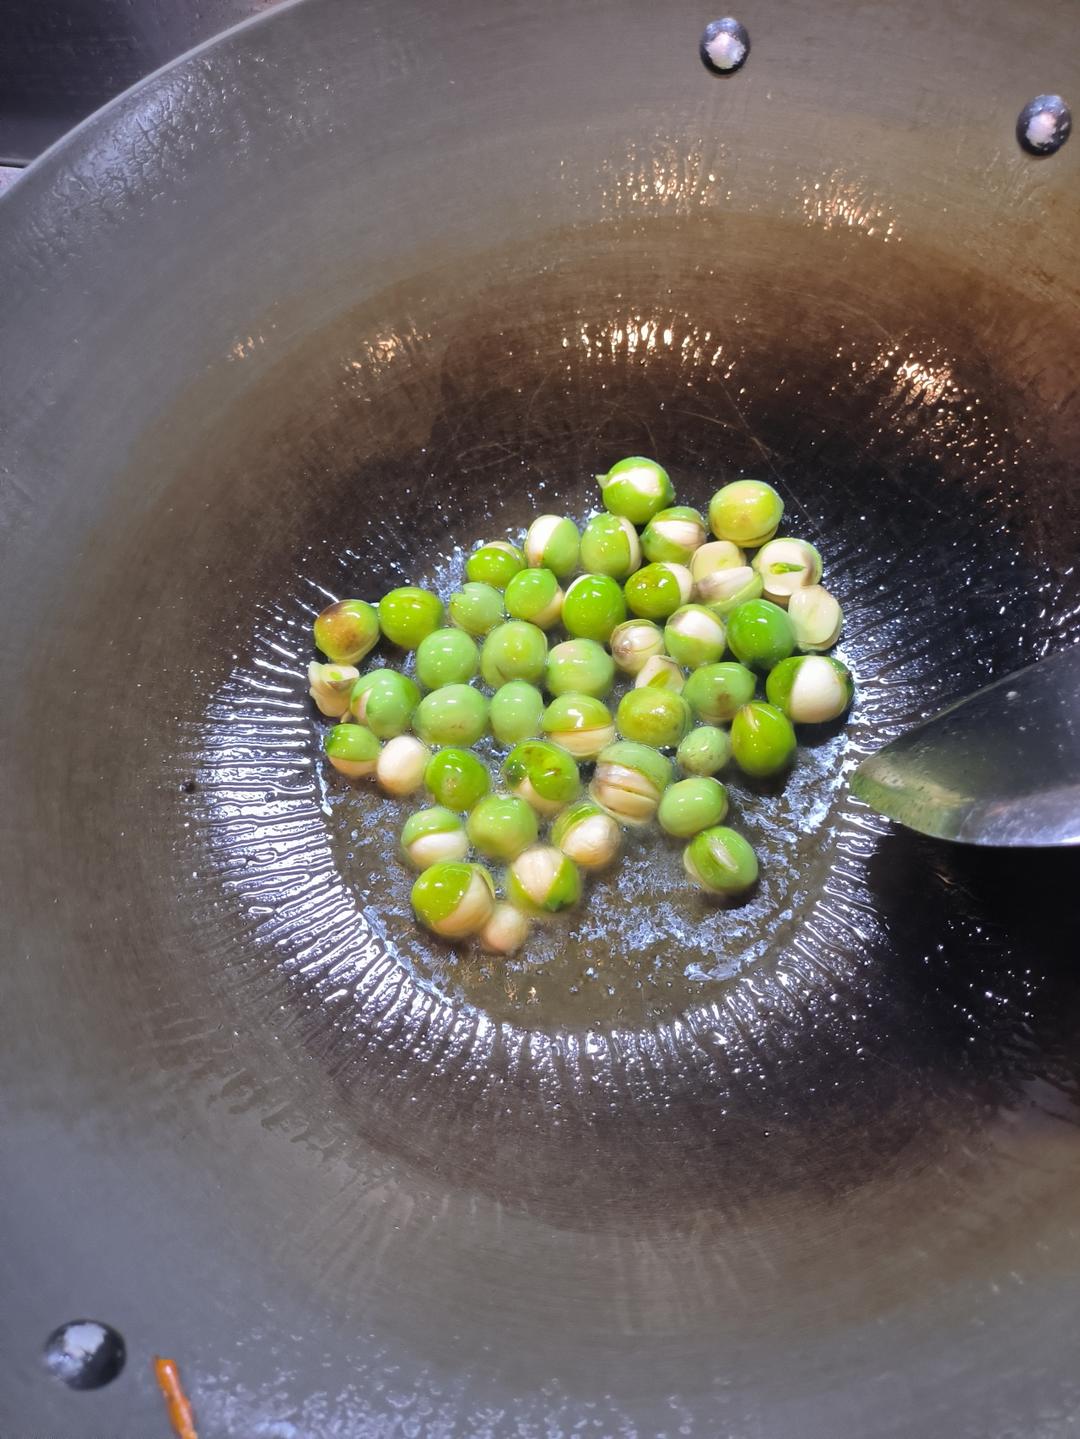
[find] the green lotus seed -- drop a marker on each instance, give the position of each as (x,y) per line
(579,667)
(593,606)
(610,546)
(515,711)
(352,749)
(408,614)
(330,686)
(346,631)
(543,881)
(385,701)
(454,899)
(662,673)
(456,779)
(501,826)
(760,634)
(446,657)
(633,642)
(636,488)
(723,590)
(674,535)
(716,692)
(657,591)
(721,862)
(762,740)
(495,564)
(588,834)
(659,717)
(810,689)
(786,566)
(705,750)
(580,724)
(476,609)
(694,636)
(542,774)
(816,618)
(629,780)
(506,931)
(433,836)
(514,651)
(535,595)
(553,542)
(691,805)
(401,764)
(454,715)
(747,513)
(715,556)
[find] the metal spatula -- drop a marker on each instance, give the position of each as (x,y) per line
(1001,767)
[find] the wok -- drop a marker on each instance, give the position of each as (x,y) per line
(307,312)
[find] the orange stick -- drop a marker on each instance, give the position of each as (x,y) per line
(177,1404)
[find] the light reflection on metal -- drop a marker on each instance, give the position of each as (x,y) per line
(635,334)
(669,175)
(837,201)
(917,379)
(377,352)
(245,347)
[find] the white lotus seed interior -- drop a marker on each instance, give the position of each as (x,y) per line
(779,587)
(539,803)
(330,687)
(685,581)
(593,842)
(584,743)
(690,867)
(401,763)
(697,626)
(551,611)
(633,543)
(722,584)
(632,648)
(716,555)
(817,617)
(429,849)
(627,793)
(353,768)
(506,931)
(540,532)
(359,707)
(660,665)
(473,910)
(642,479)
(818,692)
(536,869)
(684,533)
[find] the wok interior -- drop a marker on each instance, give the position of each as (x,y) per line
(837,1119)
(432,418)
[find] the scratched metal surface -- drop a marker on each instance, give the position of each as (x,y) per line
(61,61)
(808,1167)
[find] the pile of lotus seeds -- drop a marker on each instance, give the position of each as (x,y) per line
(640,589)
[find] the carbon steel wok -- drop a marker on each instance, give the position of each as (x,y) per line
(305,313)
